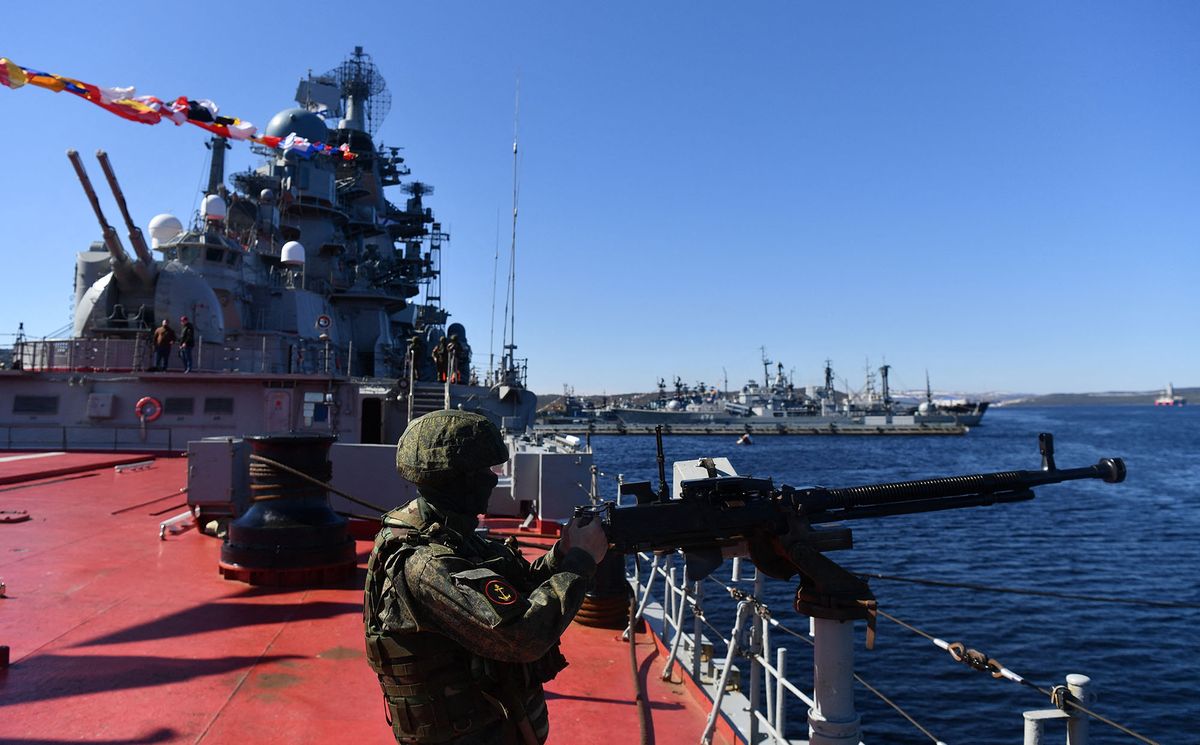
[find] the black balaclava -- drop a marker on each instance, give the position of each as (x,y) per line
(464,493)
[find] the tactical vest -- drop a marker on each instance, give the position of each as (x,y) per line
(435,690)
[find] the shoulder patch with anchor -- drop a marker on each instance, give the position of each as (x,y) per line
(500,593)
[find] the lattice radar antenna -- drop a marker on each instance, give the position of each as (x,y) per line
(417,188)
(358,78)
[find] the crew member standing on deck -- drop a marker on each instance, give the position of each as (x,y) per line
(441,359)
(416,355)
(462,630)
(462,359)
(187,339)
(452,359)
(164,337)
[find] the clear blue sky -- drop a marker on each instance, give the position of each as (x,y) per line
(1006,194)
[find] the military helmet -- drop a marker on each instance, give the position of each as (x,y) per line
(447,441)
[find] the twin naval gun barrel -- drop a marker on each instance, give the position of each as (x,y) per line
(127,272)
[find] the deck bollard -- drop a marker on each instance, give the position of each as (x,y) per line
(1077,721)
(1077,725)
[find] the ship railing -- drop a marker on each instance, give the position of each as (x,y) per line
(286,278)
(754,705)
(130,438)
(265,354)
(83,355)
(510,372)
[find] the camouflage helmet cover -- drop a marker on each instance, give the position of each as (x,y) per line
(446,441)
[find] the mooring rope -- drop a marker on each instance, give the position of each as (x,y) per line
(317,482)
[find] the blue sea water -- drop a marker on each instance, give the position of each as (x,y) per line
(1138,540)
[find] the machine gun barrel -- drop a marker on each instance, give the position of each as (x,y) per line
(874,500)
(136,239)
(718,511)
(778,527)
(120,259)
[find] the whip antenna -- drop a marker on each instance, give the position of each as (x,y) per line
(492,327)
(510,303)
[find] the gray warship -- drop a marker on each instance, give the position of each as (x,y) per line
(315,301)
(778,401)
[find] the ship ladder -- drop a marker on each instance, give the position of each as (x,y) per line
(426,397)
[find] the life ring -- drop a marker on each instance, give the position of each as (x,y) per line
(148,409)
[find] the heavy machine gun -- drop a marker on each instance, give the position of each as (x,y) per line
(781,528)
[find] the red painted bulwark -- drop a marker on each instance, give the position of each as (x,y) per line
(118,636)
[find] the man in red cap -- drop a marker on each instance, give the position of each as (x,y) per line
(187,339)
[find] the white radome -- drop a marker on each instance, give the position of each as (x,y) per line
(163,228)
(292,253)
(213,208)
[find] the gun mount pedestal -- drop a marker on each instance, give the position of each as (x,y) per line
(833,720)
(834,599)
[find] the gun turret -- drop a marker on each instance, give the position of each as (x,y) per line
(145,267)
(121,265)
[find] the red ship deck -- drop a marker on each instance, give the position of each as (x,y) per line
(117,636)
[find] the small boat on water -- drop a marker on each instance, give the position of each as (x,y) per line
(1168,398)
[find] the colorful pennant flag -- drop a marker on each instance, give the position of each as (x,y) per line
(203,113)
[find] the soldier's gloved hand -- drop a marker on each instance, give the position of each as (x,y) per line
(589,537)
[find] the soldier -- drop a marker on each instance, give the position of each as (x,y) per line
(416,353)
(441,359)
(461,630)
(453,358)
(462,358)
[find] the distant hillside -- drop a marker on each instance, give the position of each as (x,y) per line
(1106,398)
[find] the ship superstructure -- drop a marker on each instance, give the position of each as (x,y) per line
(314,297)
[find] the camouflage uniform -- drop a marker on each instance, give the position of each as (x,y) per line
(454,359)
(416,353)
(461,630)
(462,358)
(441,359)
